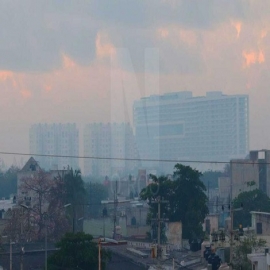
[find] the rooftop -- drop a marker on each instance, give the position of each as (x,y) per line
(187,95)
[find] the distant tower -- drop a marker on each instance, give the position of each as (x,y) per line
(58,142)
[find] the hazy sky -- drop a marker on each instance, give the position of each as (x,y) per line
(57,59)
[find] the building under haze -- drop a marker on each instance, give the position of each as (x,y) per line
(251,173)
(109,141)
(55,139)
(179,126)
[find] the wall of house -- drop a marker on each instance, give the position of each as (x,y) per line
(243,171)
(264,219)
(224,187)
(137,230)
(95,227)
(174,234)
(213,220)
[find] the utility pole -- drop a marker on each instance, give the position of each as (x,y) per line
(46,239)
(231,215)
(21,247)
(10,255)
(232,210)
(115,202)
(99,254)
(159,201)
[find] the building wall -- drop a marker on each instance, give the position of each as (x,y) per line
(179,126)
(264,219)
(174,234)
(243,172)
(254,168)
(259,261)
(211,223)
(109,141)
(54,139)
(95,227)
(140,214)
(224,187)
(139,231)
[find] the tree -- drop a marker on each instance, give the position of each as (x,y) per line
(14,224)
(96,192)
(246,246)
(38,187)
(186,196)
(47,205)
(253,200)
(77,251)
(8,182)
(74,193)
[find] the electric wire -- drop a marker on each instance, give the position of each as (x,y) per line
(237,161)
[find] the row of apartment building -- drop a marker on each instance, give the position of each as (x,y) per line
(57,147)
(174,126)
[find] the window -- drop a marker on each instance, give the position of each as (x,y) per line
(259,228)
(207,226)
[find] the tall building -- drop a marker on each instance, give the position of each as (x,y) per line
(109,141)
(179,126)
(55,139)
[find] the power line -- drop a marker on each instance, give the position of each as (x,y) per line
(137,159)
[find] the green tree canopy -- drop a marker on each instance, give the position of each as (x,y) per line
(186,197)
(254,200)
(8,182)
(69,188)
(77,251)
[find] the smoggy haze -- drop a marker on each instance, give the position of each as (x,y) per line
(57,59)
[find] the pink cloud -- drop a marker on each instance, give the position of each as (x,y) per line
(67,62)
(162,32)
(175,34)
(188,36)
(253,57)
(104,48)
(4,75)
(238,27)
(26,93)
(48,88)
(263,33)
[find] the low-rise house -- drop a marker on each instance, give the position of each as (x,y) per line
(31,169)
(130,219)
(211,223)
(260,225)
(260,261)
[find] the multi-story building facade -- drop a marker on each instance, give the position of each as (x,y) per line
(178,126)
(109,145)
(251,173)
(55,139)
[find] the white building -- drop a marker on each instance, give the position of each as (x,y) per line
(179,126)
(55,139)
(104,142)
